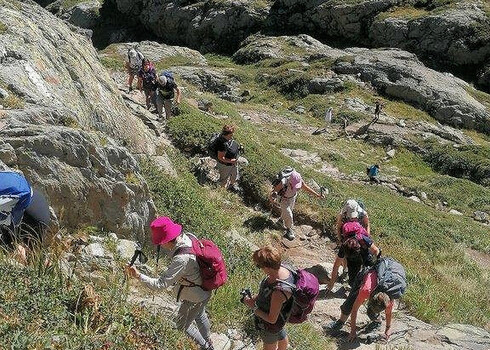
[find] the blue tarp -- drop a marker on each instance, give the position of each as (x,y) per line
(14,185)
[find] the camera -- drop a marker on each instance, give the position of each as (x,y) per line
(245,292)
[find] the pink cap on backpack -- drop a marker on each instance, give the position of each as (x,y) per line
(296,180)
(163,230)
(353,228)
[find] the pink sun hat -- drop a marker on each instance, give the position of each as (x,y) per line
(163,230)
(296,180)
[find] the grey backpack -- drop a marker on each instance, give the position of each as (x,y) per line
(391,278)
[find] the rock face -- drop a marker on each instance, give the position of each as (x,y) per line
(83,15)
(204,25)
(399,74)
(456,37)
(69,131)
(326,19)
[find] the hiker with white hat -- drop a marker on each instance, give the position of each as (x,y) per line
(357,248)
(286,185)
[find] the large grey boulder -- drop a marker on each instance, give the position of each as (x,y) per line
(157,52)
(211,80)
(203,25)
(87,178)
(459,36)
(291,48)
(399,74)
(83,15)
(70,131)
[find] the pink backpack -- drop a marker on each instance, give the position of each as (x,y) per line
(305,293)
(353,228)
(210,260)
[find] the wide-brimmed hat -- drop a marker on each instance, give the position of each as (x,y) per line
(351,209)
(163,230)
(296,180)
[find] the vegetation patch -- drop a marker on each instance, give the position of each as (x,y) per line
(403,12)
(57,313)
(470,161)
(3,28)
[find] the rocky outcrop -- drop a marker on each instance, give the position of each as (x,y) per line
(459,36)
(157,53)
(325,19)
(288,48)
(399,74)
(455,37)
(69,129)
(204,25)
(84,15)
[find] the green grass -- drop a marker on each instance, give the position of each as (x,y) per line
(403,12)
(42,309)
(112,63)
(3,28)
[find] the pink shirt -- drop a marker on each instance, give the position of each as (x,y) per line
(370,282)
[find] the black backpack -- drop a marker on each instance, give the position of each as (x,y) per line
(213,144)
(391,278)
(283,174)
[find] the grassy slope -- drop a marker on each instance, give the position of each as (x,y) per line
(430,243)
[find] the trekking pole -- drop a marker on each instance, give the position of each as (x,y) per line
(138,254)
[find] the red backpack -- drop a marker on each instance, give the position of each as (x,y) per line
(210,260)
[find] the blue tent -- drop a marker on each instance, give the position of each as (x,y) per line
(15,197)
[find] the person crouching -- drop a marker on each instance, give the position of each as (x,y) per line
(184,276)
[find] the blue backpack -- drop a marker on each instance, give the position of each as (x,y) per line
(15,197)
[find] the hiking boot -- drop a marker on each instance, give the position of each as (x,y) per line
(130,89)
(289,234)
(373,327)
(333,326)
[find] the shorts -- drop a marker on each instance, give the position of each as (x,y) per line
(133,71)
(273,337)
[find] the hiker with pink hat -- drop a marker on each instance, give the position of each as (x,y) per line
(183,275)
(286,186)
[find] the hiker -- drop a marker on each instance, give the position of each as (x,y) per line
(352,210)
(147,76)
(183,274)
(286,186)
(274,300)
(328,116)
(380,285)
(227,156)
(357,250)
(373,173)
(133,65)
(167,89)
(378,106)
